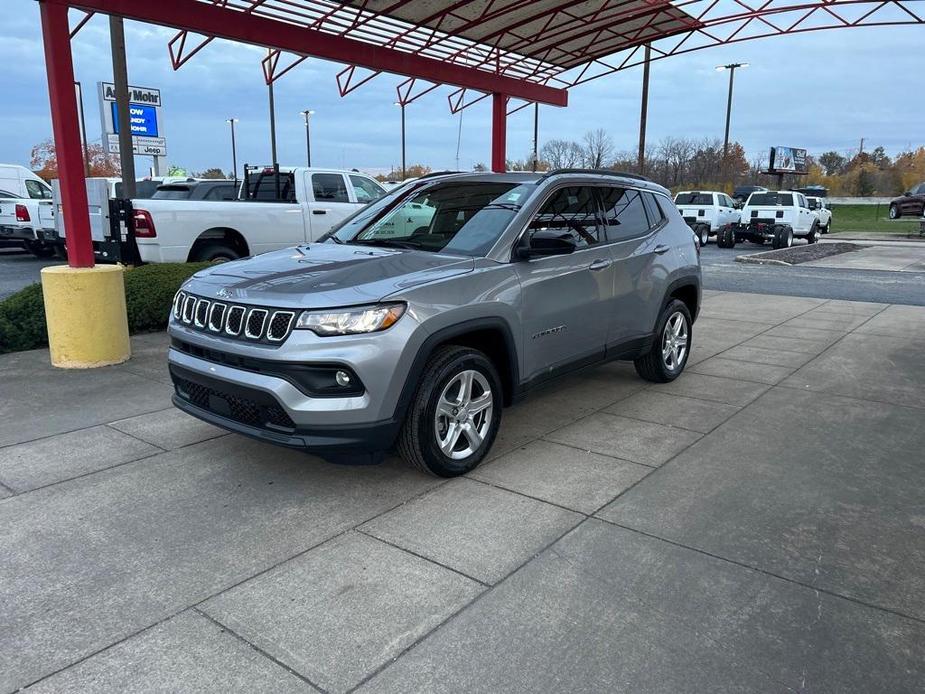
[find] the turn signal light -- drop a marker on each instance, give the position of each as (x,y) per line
(22,214)
(144,225)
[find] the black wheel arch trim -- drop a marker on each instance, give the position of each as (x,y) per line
(445,335)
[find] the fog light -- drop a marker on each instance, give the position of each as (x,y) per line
(342,378)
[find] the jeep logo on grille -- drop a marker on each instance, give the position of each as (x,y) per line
(224,293)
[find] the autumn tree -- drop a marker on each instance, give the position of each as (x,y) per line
(562,154)
(44,160)
(213,172)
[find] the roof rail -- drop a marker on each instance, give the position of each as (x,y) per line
(598,172)
(439,173)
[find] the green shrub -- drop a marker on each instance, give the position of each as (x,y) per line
(149,291)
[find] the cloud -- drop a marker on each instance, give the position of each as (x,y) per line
(822,90)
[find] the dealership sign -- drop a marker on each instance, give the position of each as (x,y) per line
(144,114)
(787,160)
(137,95)
(142,146)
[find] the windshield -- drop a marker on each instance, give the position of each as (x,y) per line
(462,218)
(785,199)
(693,199)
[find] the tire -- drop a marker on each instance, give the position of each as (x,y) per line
(783,237)
(40,250)
(654,365)
(726,238)
(813,233)
(442,382)
(826,228)
(703,233)
(61,251)
(215,253)
(895,212)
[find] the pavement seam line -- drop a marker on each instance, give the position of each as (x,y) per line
(389,543)
(292,671)
(465,607)
(110,426)
(765,572)
(588,450)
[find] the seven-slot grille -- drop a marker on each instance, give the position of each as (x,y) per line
(254,323)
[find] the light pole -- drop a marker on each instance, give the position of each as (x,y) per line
(234,150)
(307,115)
(732,71)
(402,107)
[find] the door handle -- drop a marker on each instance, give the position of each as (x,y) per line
(319,211)
(601,264)
(662,248)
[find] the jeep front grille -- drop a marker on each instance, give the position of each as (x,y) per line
(251,323)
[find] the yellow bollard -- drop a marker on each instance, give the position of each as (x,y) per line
(86,317)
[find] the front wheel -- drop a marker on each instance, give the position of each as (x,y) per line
(726,238)
(894,212)
(455,414)
(813,233)
(668,355)
(703,234)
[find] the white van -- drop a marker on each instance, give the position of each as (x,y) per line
(20,182)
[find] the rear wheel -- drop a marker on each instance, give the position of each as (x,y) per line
(215,253)
(668,355)
(725,237)
(39,249)
(783,237)
(455,414)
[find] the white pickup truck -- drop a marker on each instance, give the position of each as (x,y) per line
(823,213)
(706,212)
(772,216)
(297,206)
(26,221)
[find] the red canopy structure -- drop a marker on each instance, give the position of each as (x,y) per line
(531,50)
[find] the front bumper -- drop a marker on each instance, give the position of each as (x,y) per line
(256,414)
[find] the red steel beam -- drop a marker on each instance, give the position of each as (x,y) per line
(248,28)
(64,123)
(499,132)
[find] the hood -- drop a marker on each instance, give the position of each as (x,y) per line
(325,275)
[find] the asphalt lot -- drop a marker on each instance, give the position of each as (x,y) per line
(721,272)
(756,526)
(20,268)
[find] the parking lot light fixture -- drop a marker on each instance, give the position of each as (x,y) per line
(307,116)
(732,71)
(234,149)
(402,107)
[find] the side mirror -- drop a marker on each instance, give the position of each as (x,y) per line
(546,242)
(907,194)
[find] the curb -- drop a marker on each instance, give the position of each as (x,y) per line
(755,259)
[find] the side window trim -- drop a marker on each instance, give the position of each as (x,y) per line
(651,229)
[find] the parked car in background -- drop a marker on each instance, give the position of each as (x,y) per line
(741,193)
(144,187)
(212,189)
(22,183)
(25,221)
(823,213)
(417,340)
(909,204)
(297,206)
(775,217)
(706,212)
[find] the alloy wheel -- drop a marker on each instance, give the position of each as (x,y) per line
(674,341)
(463,416)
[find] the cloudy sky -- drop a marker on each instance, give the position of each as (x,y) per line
(822,90)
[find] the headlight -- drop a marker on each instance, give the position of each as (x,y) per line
(362,319)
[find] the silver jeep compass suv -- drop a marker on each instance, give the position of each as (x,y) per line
(412,323)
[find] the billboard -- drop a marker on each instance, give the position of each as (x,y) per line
(142,120)
(787,160)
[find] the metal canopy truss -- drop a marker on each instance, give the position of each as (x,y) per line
(406,90)
(727,22)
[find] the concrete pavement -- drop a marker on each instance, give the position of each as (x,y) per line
(754,526)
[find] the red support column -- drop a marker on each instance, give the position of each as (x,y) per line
(65,126)
(499,132)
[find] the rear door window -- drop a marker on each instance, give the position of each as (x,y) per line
(366,190)
(653,211)
(624,213)
(329,188)
(573,213)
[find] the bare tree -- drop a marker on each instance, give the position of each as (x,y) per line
(598,149)
(562,154)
